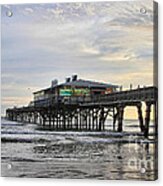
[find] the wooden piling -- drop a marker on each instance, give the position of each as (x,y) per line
(156,118)
(147,119)
(120,118)
(115,115)
(140,117)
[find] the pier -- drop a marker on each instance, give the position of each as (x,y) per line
(89,113)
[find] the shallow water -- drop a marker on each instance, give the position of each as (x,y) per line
(27,151)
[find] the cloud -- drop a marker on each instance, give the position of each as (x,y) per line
(29,10)
(117,57)
(56,11)
(89,50)
(110,42)
(7,6)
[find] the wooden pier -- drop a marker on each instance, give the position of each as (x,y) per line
(89,113)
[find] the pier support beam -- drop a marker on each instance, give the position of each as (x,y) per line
(120,118)
(115,115)
(101,119)
(140,116)
(156,118)
(147,119)
(44,120)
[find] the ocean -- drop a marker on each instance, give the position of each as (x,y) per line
(28,151)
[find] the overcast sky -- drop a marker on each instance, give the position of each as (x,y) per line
(110,42)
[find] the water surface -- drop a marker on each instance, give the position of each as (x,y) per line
(29,152)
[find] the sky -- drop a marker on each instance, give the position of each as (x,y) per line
(110,42)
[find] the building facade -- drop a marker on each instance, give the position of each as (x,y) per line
(74,87)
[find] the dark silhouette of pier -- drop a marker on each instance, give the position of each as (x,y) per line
(89,113)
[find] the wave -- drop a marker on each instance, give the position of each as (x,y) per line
(22,140)
(104,134)
(67,141)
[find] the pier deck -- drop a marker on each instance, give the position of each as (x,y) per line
(89,112)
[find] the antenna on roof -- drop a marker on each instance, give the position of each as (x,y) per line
(54,83)
(68,79)
(74,77)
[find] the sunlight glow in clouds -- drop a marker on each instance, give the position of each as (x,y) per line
(106,41)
